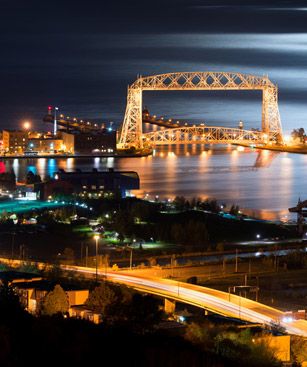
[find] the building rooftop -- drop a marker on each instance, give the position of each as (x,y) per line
(62,172)
(47,285)
(18,276)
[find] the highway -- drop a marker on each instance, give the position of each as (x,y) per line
(219,302)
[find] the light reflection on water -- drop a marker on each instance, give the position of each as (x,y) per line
(264,182)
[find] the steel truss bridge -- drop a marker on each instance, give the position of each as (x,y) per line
(204,135)
(131,133)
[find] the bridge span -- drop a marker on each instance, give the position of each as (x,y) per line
(219,302)
(131,133)
(204,135)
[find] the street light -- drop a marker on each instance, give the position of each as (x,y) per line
(131,249)
(55,122)
(26,125)
(96,238)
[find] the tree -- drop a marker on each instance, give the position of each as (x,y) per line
(123,223)
(32,178)
(29,268)
(234,210)
(55,302)
(299,349)
(11,309)
(143,313)
(180,203)
(299,134)
(101,299)
(220,247)
(69,255)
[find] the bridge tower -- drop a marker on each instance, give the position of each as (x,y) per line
(131,133)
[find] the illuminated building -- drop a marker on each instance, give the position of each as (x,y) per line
(95,184)
(14,141)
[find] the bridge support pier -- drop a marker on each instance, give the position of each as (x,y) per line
(169,306)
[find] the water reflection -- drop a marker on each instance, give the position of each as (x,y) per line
(268,182)
(265,158)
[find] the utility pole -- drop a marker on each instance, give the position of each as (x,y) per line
(21,252)
(172,265)
(240,305)
(81,254)
(245,283)
(105,266)
(86,255)
(236,270)
(96,238)
(131,250)
(275,260)
(12,245)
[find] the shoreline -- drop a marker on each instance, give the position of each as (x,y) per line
(281,149)
(60,156)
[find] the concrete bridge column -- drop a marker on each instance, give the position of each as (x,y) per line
(169,306)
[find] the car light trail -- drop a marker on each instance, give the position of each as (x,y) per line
(216,301)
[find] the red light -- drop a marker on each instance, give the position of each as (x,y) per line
(2,167)
(49,108)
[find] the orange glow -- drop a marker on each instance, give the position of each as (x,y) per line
(26,125)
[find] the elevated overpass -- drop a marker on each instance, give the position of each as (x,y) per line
(213,300)
(207,298)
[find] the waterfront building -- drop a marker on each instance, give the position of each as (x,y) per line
(14,141)
(93,183)
(102,141)
(45,145)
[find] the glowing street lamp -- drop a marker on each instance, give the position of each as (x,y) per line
(26,125)
(96,238)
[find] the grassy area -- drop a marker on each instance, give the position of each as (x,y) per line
(22,206)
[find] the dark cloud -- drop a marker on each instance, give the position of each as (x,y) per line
(82,54)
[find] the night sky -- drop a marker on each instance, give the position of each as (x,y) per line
(81,55)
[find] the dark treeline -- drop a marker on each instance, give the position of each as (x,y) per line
(197,225)
(193,223)
(56,340)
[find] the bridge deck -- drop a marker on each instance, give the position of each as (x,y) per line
(206,298)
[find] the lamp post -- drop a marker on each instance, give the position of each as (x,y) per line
(96,238)
(131,249)
(55,121)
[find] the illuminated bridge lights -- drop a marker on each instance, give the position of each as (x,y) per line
(132,133)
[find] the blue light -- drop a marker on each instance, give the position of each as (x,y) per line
(181,319)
